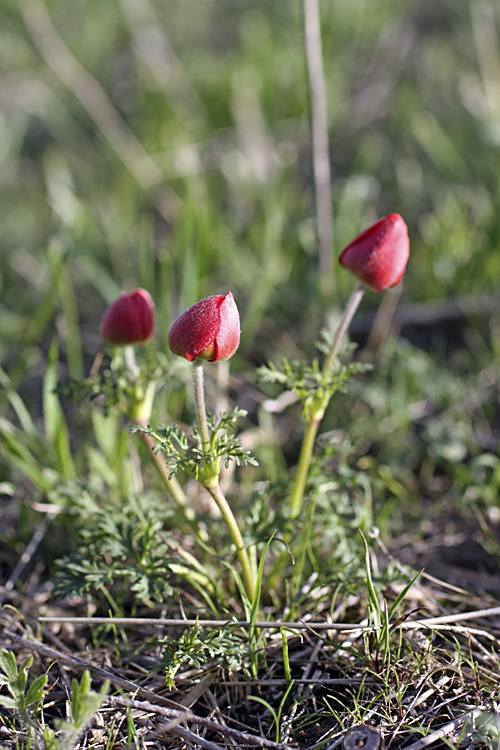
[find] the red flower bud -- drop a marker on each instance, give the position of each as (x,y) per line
(130,319)
(208,330)
(378,256)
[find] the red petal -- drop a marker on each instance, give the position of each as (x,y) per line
(130,319)
(378,256)
(209,330)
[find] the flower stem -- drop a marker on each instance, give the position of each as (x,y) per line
(306,450)
(140,413)
(317,409)
(199,399)
(247,571)
(173,486)
(345,321)
(130,361)
(209,478)
(314,415)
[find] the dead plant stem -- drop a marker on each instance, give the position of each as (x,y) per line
(319,126)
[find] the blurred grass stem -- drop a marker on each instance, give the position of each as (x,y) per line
(319,125)
(93,98)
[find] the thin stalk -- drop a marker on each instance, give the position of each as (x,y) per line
(130,361)
(247,571)
(345,321)
(306,450)
(286,658)
(140,413)
(382,322)
(317,411)
(319,126)
(314,416)
(201,412)
(177,493)
(209,478)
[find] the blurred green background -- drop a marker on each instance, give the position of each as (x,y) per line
(167,145)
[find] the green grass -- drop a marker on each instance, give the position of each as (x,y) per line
(178,158)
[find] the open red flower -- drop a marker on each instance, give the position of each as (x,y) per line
(378,256)
(209,330)
(130,319)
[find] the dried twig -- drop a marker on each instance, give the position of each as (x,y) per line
(488,55)
(195,739)
(28,553)
(446,730)
(152,702)
(243,737)
(103,674)
(449,619)
(273,624)
(433,313)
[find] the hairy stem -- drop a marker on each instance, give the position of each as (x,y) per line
(201,412)
(209,478)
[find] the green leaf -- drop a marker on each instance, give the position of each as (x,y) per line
(49,740)
(16,679)
(83,705)
(36,690)
(78,693)
(373,600)
(8,665)
(307,379)
(55,423)
(252,636)
(8,702)
(18,405)
(85,702)
(403,593)
(258,584)
(13,444)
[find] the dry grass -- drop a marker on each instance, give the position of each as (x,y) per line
(431,679)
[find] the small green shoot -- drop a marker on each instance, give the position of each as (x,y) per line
(82,706)
(275,714)
(26,703)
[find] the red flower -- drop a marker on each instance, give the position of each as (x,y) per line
(130,319)
(378,256)
(208,330)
